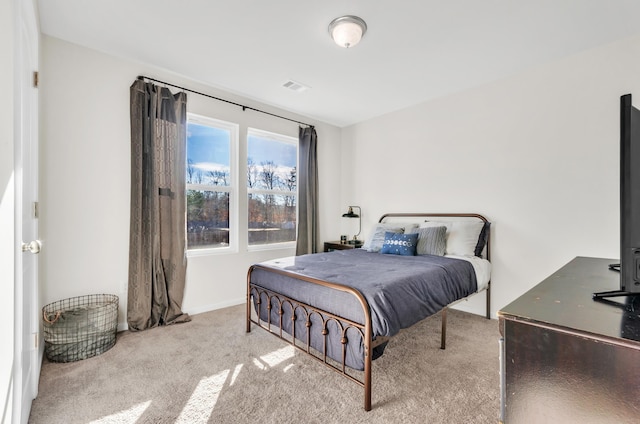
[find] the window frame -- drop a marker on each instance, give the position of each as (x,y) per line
(255,132)
(232,188)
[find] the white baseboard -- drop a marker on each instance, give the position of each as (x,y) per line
(213,307)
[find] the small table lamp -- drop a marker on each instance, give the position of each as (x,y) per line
(351,214)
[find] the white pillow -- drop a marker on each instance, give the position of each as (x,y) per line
(462,236)
(374,242)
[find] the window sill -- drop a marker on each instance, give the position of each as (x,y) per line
(216,251)
(273,246)
(212,251)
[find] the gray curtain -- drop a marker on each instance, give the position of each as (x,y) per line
(307,191)
(157,258)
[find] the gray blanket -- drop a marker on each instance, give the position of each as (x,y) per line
(400,290)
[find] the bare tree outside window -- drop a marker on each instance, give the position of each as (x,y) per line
(212,178)
(252,173)
(271,186)
(208,182)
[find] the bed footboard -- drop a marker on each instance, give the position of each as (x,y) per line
(296,311)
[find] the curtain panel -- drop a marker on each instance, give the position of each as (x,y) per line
(157,246)
(307,240)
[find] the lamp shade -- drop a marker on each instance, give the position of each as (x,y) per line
(347,31)
(350,213)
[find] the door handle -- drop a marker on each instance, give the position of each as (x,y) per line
(33,246)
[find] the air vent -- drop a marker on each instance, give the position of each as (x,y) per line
(295,86)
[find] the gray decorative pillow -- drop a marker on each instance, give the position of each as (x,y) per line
(432,241)
(376,240)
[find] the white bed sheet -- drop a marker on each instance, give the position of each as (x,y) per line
(481,266)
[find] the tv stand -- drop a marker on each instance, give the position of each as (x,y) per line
(613,293)
(566,357)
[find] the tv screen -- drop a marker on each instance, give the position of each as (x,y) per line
(629,196)
(629,265)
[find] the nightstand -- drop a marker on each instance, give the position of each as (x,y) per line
(338,245)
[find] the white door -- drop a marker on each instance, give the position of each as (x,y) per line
(26,353)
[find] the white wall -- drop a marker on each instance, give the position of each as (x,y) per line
(536,153)
(85,187)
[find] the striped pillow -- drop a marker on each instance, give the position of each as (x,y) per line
(431,241)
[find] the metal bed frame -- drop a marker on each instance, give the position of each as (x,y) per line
(348,328)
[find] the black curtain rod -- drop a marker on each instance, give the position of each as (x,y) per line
(244,107)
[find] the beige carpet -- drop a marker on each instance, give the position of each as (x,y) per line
(211,371)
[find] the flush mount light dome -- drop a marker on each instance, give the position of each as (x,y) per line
(347,30)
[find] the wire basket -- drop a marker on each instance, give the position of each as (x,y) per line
(80,327)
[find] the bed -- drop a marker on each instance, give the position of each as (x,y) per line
(343,307)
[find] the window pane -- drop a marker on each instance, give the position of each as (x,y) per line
(208,153)
(272,161)
(271,164)
(207,219)
(272,218)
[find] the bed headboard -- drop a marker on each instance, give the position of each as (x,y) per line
(444,217)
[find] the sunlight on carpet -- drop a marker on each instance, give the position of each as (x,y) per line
(201,403)
(203,400)
(236,371)
(274,358)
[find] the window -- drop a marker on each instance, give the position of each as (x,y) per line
(211,182)
(272,165)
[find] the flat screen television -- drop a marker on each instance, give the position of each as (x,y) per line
(629,265)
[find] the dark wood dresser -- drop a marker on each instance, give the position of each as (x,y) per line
(566,358)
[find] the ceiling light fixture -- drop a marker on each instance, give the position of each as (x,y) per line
(347,30)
